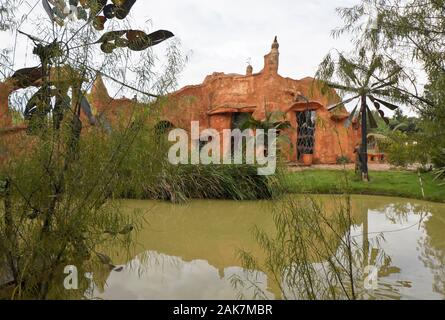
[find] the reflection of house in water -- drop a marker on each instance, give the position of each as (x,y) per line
(196,232)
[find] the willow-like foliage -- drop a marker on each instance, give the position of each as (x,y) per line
(59,181)
(315,253)
(411,33)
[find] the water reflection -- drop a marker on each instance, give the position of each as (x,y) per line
(157,276)
(414,234)
(432,250)
(190,251)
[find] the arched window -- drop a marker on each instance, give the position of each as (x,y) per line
(306,132)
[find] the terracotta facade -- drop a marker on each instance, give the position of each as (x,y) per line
(214,102)
(221,96)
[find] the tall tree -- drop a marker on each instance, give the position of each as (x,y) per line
(411,32)
(369,77)
(55,195)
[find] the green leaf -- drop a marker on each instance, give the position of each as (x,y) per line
(331,107)
(376,63)
(3,184)
(387,104)
(351,117)
(372,122)
(348,68)
(282,125)
(285,139)
(135,40)
(276,116)
(343,87)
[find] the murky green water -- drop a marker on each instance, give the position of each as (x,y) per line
(190,251)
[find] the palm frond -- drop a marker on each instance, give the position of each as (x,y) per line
(276,116)
(375,64)
(387,104)
(342,87)
(351,117)
(332,107)
(372,122)
(348,68)
(281,125)
(250,123)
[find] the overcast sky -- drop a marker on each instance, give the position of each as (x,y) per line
(223,35)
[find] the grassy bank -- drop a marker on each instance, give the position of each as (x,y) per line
(183,182)
(387,183)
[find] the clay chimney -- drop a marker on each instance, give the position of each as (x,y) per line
(271,60)
(249,70)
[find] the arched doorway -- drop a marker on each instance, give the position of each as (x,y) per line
(306,124)
(304,116)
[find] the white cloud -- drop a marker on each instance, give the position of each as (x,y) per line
(224,34)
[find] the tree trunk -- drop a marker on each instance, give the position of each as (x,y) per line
(365,176)
(365,236)
(11,236)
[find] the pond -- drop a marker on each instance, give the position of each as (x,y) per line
(190,251)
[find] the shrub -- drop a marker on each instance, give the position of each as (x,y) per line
(439,173)
(55,211)
(343,160)
(401,150)
(235,182)
(147,174)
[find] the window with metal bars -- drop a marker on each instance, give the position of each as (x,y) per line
(306,132)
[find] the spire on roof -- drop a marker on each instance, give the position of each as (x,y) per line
(275,44)
(249,70)
(271,60)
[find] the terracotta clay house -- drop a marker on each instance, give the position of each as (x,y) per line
(222,101)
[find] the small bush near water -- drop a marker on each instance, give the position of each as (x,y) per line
(184,182)
(235,182)
(147,174)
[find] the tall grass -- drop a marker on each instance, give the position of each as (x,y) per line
(147,174)
(184,182)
